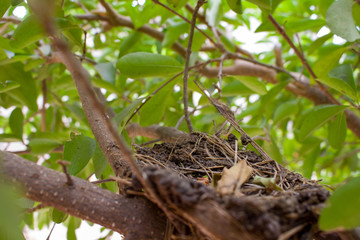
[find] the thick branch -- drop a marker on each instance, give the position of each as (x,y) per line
(136,218)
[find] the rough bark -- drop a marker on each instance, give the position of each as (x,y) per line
(134,217)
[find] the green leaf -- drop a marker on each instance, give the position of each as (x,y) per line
(129,42)
(309,161)
(356,15)
(271,148)
(10,220)
(4,137)
(153,111)
(317,117)
(328,61)
(27,32)
(106,71)
(43,145)
(342,208)
(213,14)
(344,72)
(318,43)
(100,162)
(198,41)
(25,94)
(125,114)
(16,2)
(300,25)
(4,5)
(173,33)
(340,21)
(285,110)
(143,64)
(337,131)
(235,5)
(78,151)
(236,88)
(266,4)
(58,216)
(16,122)
(253,84)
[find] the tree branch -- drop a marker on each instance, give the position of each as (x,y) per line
(136,218)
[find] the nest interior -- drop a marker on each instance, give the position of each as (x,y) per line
(289,210)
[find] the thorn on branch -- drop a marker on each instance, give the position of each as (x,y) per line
(69,181)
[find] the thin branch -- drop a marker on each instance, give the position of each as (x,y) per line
(187,62)
(202,19)
(186,20)
(43,109)
(282,32)
(64,165)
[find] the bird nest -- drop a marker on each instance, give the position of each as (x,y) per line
(263,196)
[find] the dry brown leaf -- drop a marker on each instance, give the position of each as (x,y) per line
(233,178)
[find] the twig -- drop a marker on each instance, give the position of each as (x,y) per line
(43,109)
(84,47)
(103,181)
(69,181)
(220,74)
(34,209)
(52,229)
(187,61)
(11,19)
(229,115)
(152,94)
(202,19)
(282,32)
(186,20)
(120,180)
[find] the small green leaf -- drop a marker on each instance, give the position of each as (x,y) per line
(100,162)
(299,25)
(310,160)
(344,72)
(129,42)
(125,114)
(340,20)
(356,15)
(143,64)
(273,150)
(106,71)
(27,32)
(235,5)
(317,117)
(173,33)
(253,84)
(4,5)
(43,145)
(58,216)
(266,4)
(5,137)
(318,43)
(342,208)
(16,122)
(213,14)
(285,110)
(236,88)
(153,111)
(16,2)
(337,131)
(269,183)
(328,61)
(78,151)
